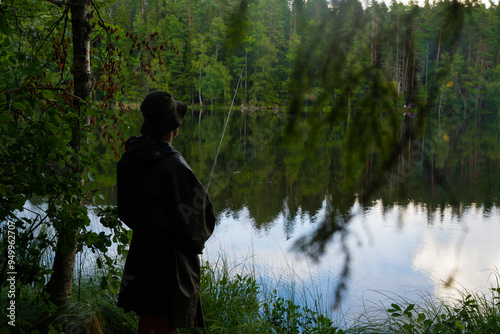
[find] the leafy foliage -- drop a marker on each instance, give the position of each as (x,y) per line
(472,314)
(48,167)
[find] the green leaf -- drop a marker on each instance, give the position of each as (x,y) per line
(113,289)
(104,283)
(427,323)
(5,41)
(396,307)
(408,310)
(458,324)
(408,327)
(12,60)
(91,238)
(48,126)
(19,105)
(48,94)
(52,307)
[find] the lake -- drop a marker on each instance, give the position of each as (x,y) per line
(417,240)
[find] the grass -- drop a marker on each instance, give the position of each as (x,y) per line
(94,313)
(473,312)
(235,300)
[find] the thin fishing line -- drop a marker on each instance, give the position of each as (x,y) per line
(224,131)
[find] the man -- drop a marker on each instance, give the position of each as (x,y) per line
(171,217)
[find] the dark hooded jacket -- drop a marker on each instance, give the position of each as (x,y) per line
(171,217)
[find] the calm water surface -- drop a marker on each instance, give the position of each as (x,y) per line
(408,243)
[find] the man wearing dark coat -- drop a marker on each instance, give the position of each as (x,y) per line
(171,217)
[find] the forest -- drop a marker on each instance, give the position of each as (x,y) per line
(408,43)
(74,71)
(198,49)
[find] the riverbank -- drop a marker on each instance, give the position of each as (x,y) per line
(236,302)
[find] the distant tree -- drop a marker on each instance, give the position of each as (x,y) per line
(216,81)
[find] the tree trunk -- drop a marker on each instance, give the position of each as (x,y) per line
(372,46)
(271,14)
(427,64)
(397,58)
(408,55)
(246,72)
(469,53)
(60,284)
(413,70)
(483,51)
(439,108)
(81,48)
(61,281)
(199,88)
(403,75)
(439,44)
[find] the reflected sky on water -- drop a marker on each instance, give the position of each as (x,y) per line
(397,253)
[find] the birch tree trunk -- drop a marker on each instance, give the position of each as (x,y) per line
(60,284)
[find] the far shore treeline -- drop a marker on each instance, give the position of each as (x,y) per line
(410,43)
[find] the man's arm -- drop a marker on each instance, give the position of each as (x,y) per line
(196,220)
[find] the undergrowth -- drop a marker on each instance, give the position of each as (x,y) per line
(235,302)
(472,312)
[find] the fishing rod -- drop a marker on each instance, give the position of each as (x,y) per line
(224,131)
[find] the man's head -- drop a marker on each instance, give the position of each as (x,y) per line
(162,114)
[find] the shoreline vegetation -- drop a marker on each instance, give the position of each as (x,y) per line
(235,300)
(244,108)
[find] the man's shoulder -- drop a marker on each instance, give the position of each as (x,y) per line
(175,162)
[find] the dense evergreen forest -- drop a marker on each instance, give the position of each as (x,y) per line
(410,43)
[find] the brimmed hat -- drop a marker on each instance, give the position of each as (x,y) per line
(161,113)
